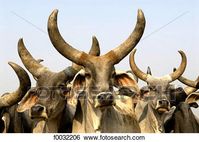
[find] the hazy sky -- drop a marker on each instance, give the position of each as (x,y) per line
(172,25)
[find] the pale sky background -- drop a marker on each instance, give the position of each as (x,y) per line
(171,25)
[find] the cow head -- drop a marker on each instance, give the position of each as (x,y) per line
(96,82)
(45,100)
(99,71)
(48,99)
(9,99)
(158,87)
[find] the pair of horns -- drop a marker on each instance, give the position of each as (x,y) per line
(10,99)
(34,66)
(148,77)
(83,58)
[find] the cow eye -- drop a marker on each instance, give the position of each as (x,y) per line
(87,75)
(38,91)
(33,92)
(113,74)
(152,88)
(62,86)
(64,89)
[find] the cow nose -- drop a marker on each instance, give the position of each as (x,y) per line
(105,98)
(163,102)
(37,109)
(109,97)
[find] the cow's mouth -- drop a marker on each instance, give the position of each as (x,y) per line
(38,117)
(162,109)
(104,105)
(41,116)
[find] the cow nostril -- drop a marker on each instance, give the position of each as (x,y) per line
(163,102)
(40,109)
(100,97)
(37,109)
(110,97)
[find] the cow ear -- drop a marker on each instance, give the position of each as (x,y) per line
(78,84)
(29,100)
(123,79)
(192,98)
(6,122)
(194,105)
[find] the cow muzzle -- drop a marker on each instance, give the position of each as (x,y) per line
(162,106)
(38,112)
(104,99)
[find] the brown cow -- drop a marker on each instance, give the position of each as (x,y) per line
(98,110)
(47,102)
(10,120)
(154,109)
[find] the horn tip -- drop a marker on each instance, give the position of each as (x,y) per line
(94,38)
(140,13)
(181,52)
(40,60)
(20,41)
(174,69)
(55,11)
(53,14)
(11,63)
(134,50)
(140,10)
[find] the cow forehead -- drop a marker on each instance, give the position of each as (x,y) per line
(50,80)
(162,81)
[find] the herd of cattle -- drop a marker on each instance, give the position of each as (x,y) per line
(91,96)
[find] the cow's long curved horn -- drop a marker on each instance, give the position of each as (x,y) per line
(10,99)
(79,57)
(144,76)
(59,43)
(127,46)
(176,74)
(32,65)
(188,82)
(189,90)
(134,67)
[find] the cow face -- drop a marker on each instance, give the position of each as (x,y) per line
(8,101)
(47,99)
(99,71)
(158,87)
(122,84)
(95,112)
(99,77)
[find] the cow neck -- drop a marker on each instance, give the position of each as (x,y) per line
(52,125)
(92,119)
(156,120)
(49,126)
(149,114)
